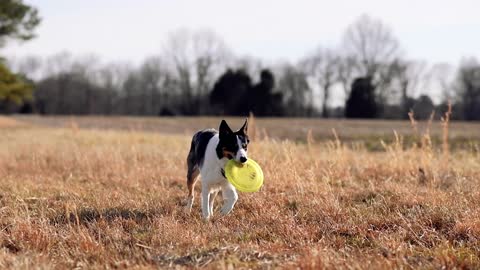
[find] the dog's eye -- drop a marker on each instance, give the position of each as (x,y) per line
(244,146)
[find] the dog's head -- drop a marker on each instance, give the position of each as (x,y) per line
(234,145)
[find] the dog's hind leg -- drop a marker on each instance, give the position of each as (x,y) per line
(192,177)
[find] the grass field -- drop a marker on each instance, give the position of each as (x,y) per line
(99,192)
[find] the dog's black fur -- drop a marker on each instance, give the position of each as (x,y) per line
(199,145)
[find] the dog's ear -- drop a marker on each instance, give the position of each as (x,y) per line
(225,129)
(244,128)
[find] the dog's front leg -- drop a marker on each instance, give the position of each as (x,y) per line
(205,203)
(230,198)
(213,195)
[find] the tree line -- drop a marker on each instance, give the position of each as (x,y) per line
(196,73)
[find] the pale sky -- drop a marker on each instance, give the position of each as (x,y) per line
(130,30)
(433,31)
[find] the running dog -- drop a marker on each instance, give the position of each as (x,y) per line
(209,152)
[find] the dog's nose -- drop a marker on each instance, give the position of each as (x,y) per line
(243,159)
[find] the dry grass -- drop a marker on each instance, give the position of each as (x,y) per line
(295,129)
(7,122)
(71,197)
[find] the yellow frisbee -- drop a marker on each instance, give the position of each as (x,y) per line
(246,177)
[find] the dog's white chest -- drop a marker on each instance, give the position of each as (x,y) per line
(211,170)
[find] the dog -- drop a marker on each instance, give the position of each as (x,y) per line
(209,152)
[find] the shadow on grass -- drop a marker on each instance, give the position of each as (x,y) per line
(241,258)
(89,215)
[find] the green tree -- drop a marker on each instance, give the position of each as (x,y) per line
(17,22)
(12,87)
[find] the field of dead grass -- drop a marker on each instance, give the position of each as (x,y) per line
(82,198)
(8,122)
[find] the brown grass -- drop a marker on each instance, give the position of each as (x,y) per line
(280,128)
(71,197)
(8,122)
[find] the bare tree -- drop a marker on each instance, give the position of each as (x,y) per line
(372,49)
(196,58)
(71,86)
(441,77)
(372,44)
(111,78)
(85,69)
(58,63)
(112,75)
(322,67)
(293,84)
(409,77)
(30,66)
(468,89)
(402,79)
(346,72)
(153,78)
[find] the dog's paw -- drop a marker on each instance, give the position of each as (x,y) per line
(225,211)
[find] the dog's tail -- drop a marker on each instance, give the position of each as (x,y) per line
(192,173)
